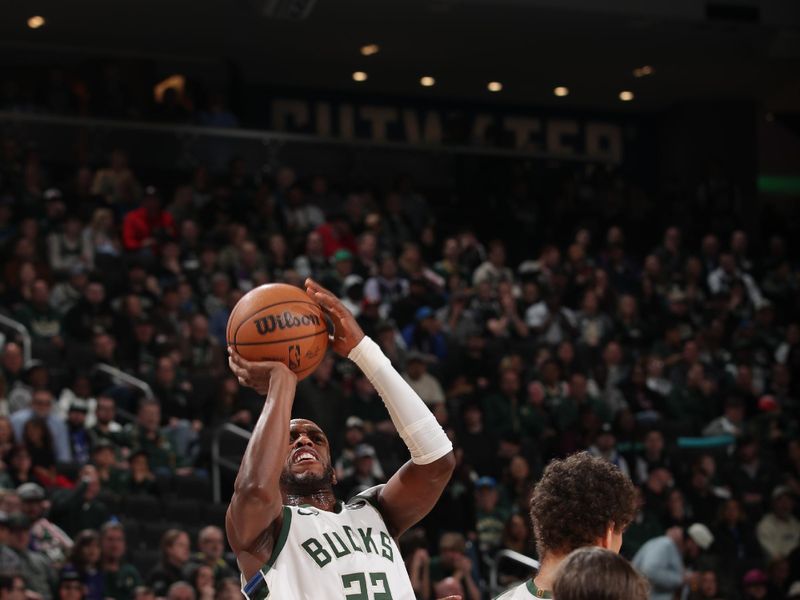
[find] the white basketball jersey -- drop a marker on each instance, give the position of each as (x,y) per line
(347,554)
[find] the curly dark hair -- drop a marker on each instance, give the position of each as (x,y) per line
(577,500)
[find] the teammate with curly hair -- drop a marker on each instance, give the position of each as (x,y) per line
(579,501)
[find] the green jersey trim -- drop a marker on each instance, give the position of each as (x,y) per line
(256,588)
(536,592)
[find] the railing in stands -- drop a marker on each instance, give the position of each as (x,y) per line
(512,556)
(25,337)
(218,461)
(124,377)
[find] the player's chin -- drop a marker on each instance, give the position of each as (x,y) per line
(312,467)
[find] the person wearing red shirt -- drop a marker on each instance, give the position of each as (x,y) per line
(337,234)
(145,227)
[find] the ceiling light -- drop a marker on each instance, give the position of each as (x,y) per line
(626,96)
(644,71)
(561,91)
(359,76)
(495,86)
(427,81)
(370,49)
(35,22)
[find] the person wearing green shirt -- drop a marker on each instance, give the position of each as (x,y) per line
(121,578)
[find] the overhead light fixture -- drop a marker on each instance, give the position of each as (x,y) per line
(36,22)
(494,86)
(359,76)
(370,49)
(427,81)
(626,96)
(644,71)
(561,91)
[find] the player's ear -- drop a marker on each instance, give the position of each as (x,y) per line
(607,541)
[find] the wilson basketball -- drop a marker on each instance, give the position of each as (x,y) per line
(279,322)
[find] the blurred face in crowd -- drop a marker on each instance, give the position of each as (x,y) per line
(33,509)
(783,506)
(672,239)
(104,347)
(71,590)
(42,403)
(112,543)
(606,442)
(95,293)
(364,465)
(40,293)
(165,373)
(103,457)
(416,368)
(105,410)
(509,382)
(12,358)
(181,591)
(654,443)
(708,584)
(178,551)
(486,498)
(612,355)
(519,469)
(211,542)
(150,416)
(17,590)
(199,328)
(76,418)
(314,245)
(578,387)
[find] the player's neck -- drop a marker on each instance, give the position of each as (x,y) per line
(322,498)
(547,571)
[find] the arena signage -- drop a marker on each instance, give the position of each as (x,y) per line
(549,137)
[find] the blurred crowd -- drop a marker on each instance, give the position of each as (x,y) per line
(678,363)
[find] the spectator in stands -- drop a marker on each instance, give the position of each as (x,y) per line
(71,585)
(211,545)
(39,442)
(731,422)
(79,508)
(105,461)
(42,320)
(363,476)
(12,586)
(46,537)
(146,435)
(423,383)
(754,585)
(120,578)
(147,227)
(490,518)
(605,446)
(454,566)
(175,554)
(661,559)
(201,578)
(33,566)
(105,426)
(779,530)
(85,560)
(89,316)
(79,437)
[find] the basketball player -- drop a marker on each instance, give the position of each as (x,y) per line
(292,539)
(579,501)
(598,574)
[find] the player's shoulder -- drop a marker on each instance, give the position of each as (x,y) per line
(367,497)
(519,592)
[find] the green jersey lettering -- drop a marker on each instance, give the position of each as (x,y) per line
(315,550)
(349,532)
(366,538)
(386,542)
(339,552)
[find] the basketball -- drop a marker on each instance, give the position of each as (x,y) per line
(279,322)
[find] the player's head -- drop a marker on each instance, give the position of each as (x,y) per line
(598,574)
(308,464)
(581,501)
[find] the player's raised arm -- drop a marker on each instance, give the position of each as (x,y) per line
(412,492)
(254,514)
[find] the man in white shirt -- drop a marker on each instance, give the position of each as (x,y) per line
(779,531)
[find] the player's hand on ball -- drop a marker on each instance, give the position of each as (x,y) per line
(257,375)
(346,331)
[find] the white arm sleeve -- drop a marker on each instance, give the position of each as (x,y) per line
(425,438)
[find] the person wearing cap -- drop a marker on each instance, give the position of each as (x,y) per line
(34,566)
(661,559)
(71,585)
(416,374)
(363,476)
(144,227)
(79,438)
(341,268)
(46,537)
(605,446)
(489,517)
(779,530)
(425,334)
(353,294)
(755,585)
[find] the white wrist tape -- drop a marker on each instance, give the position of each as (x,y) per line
(425,438)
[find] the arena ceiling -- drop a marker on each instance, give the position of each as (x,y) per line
(530,46)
